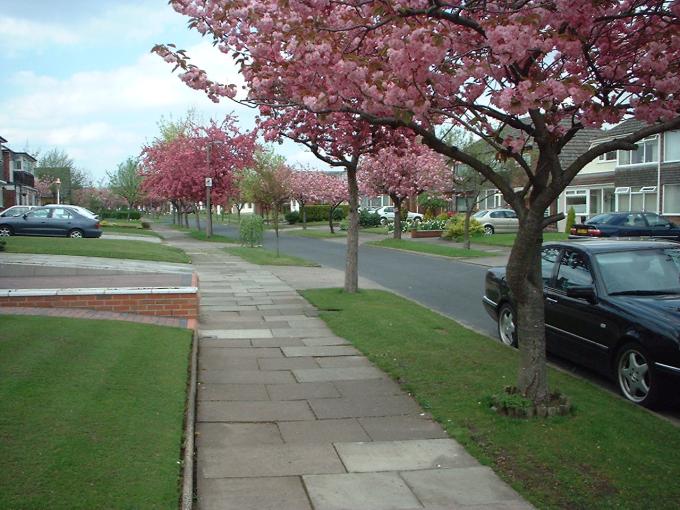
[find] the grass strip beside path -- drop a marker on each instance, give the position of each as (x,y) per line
(263,257)
(317,234)
(91,413)
(428,247)
(111,248)
(200,235)
(133,231)
(609,454)
(509,239)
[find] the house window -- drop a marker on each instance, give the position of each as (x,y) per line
(17,164)
(671,199)
(636,199)
(647,152)
(607,156)
(672,146)
(578,199)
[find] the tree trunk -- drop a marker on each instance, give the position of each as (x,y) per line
(304,216)
(198,219)
(175,214)
(238,212)
(466,229)
(352,260)
(330,218)
(397,217)
(525,282)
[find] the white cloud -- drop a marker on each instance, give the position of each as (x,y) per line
(18,34)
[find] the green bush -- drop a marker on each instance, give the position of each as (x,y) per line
(251,230)
(292,217)
(571,219)
(2,244)
(146,225)
(119,215)
(344,224)
(368,219)
(322,212)
(455,228)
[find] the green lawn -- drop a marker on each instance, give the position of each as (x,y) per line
(609,454)
(263,257)
(133,231)
(374,230)
(91,413)
(317,234)
(508,239)
(199,235)
(112,248)
(427,247)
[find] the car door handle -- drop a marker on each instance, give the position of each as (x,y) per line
(550,300)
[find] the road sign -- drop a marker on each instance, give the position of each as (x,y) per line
(208,182)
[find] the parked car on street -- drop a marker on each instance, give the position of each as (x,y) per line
(81,210)
(497,220)
(16,210)
(611,306)
(51,221)
(386,214)
(626,224)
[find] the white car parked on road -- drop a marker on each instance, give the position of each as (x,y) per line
(387,215)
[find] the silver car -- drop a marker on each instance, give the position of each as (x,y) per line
(497,220)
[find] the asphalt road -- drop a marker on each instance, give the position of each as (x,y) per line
(448,286)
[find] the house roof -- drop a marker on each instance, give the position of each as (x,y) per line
(578,145)
(26,155)
(2,140)
(625,128)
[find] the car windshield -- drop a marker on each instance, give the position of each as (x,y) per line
(479,214)
(601,218)
(642,272)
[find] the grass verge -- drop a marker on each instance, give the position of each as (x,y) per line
(317,234)
(91,413)
(427,247)
(374,230)
(133,231)
(509,239)
(199,235)
(609,454)
(263,257)
(111,248)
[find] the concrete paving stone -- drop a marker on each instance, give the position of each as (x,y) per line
(206,362)
(224,342)
(353,491)
(294,332)
(236,333)
(286,363)
(337,374)
(255,313)
(277,342)
(253,324)
(240,352)
(268,460)
(253,301)
(322,431)
(324,340)
(248,392)
(235,411)
(227,308)
(289,300)
(363,407)
(245,377)
(226,316)
(394,428)
(302,391)
(287,317)
(272,493)
(300,306)
(320,350)
(384,386)
(220,301)
(450,488)
(221,435)
(403,455)
(306,323)
(343,361)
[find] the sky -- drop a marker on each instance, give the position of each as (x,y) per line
(78,75)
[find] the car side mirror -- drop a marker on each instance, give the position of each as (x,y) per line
(586,292)
(24,216)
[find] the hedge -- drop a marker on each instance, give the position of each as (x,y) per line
(119,215)
(321,212)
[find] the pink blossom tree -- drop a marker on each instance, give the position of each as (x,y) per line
(177,168)
(403,172)
(517,74)
(334,192)
(305,188)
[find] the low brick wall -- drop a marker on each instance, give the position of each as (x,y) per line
(181,302)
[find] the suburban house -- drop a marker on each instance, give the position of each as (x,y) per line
(18,178)
(646,179)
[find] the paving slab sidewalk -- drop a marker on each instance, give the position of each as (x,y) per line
(291,417)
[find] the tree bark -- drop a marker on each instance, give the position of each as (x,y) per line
(198,219)
(304,216)
(352,259)
(276,227)
(525,282)
(397,216)
(330,218)
(466,229)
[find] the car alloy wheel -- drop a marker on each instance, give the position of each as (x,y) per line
(5,231)
(506,326)
(635,375)
(75,234)
(488,230)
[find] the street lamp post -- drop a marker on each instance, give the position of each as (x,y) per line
(57,183)
(208,187)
